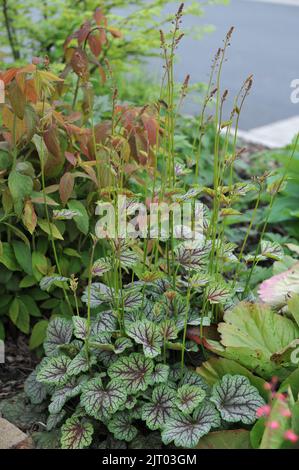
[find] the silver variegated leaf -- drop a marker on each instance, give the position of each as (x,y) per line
(65,214)
(76,434)
(101,266)
(192,378)
(80,363)
(133,372)
(104,321)
(62,394)
(236,399)
(121,426)
(54,371)
(189,397)
(47,281)
(132,299)
(35,390)
(59,332)
(54,419)
(121,344)
(148,334)
(99,293)
(271,250)
(217,292)
(102,401)
(192,255)
(160,409)
(80,327)
(185,431)
(168,330)
(160,374)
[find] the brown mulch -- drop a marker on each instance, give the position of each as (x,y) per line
(19,363)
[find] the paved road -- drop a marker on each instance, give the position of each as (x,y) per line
(265,43)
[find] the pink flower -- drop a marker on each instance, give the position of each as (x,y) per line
(263,411)
(286,413)
(273,424)
(291,436)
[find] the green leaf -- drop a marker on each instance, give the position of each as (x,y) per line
(169,330)
(192,255)
(104,322)
(185,431)
(100,401)
(274,439)
(20,186)
(161,408)
(39,265)
(7,257)
(252,333)
(54,371)
(133,372)
(34,390)
(59,332)
(148,334)
(23,256)
(236,399)
(50,229)
(189,397)
(19,316)
(38,334)
(81,220)
(47,281)
(121,427)
(231,439)
(121,344)
(27,281)
(76,434)
(217,292)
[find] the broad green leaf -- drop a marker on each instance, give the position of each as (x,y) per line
(189,397)
(19,315)
(230,439)
(20,186)
(185,431)
(59,332)
(81,220)
(76,434)
(50,229)
(34,390)
(293,306)
(54,371)
(148,334)
(160,409)
(236,399)
(121,426)
(252,333)
(7,257)
(133,372)
(100,401)
(274,439)
(216,367)
(23,256)
(38,334)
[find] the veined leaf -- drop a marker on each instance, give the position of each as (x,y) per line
(54,371)
(54,419)
(101,266)
(63,393)
(189,397)
(101,402)
(217,293)
(133,372)
(236,399)
(148,334)
(271,250)
(80,363)
(121,344)
(104,322)
(76,434)
(99,293)
(185,431)
(121,427)
(59,332)
(160,374)
(132,299)
(80,327)
(64,214)
(168,330)
(161,408)
(192,254)
(47,281)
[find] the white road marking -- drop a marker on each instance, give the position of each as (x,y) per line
(291,3)
(275,135)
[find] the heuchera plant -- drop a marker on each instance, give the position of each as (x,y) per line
(101,380)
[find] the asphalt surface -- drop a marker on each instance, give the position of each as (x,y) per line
(265,44)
